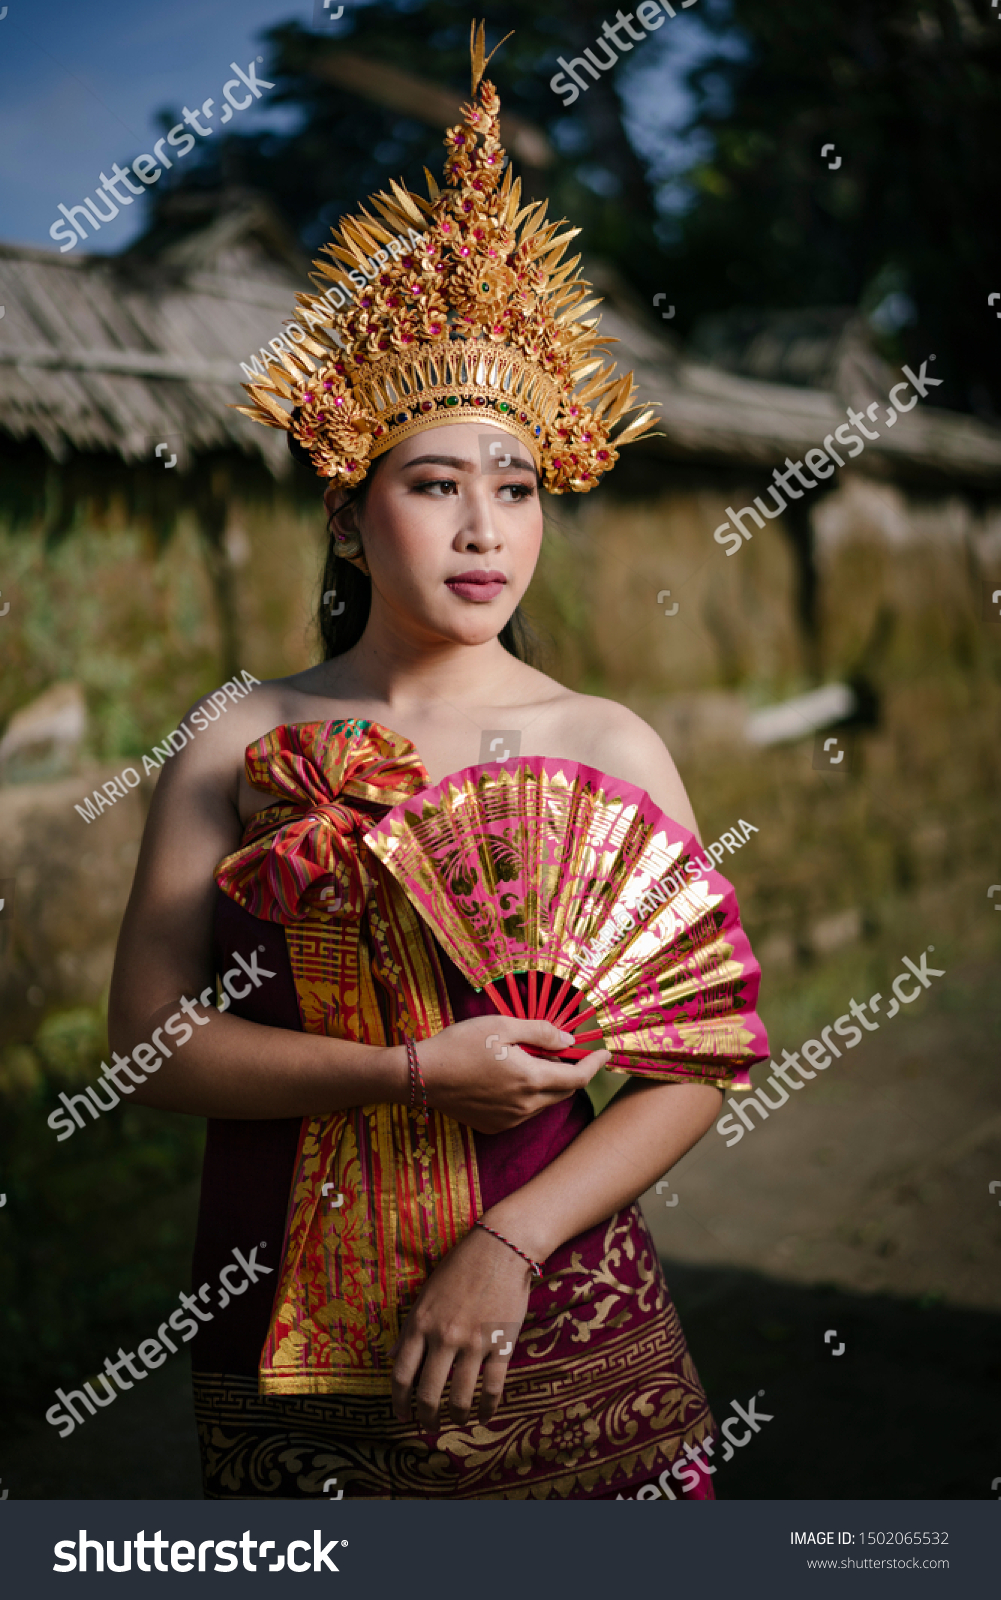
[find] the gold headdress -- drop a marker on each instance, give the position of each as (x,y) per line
(449,309)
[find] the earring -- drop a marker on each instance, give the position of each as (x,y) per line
(348,546)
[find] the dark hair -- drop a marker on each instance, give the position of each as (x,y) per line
(346,593)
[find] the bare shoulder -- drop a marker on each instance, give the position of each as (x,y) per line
(211,739)
(607,735)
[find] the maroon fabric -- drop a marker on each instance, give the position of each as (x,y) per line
(247,1169)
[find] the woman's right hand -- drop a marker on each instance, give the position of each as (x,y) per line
(476,1071)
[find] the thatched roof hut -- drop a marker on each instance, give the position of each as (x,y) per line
(118,376)
(99,355)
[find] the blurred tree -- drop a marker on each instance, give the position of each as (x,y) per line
(909,94)
(345,146)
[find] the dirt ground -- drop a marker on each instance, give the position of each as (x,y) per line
(860,1209)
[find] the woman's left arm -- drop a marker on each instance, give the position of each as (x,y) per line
(480,1290)
(648,1126)
(644,1132)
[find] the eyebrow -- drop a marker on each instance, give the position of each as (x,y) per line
(461,463)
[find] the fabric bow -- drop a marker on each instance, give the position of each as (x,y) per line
(304,852)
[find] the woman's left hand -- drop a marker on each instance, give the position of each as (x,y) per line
(478,1291)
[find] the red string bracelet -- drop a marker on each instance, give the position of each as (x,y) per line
(536,1266)
(416,1078)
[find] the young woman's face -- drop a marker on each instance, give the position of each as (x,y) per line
(451,529)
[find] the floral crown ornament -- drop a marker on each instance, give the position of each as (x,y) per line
(451,309)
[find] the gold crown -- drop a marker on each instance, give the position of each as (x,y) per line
(449,309)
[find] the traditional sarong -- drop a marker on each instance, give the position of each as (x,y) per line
(352,1211)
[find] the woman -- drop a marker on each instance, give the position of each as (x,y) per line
(397,1254)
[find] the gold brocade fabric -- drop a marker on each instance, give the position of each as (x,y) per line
(377,1198)
(603,1395)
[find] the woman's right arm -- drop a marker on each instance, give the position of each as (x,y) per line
(231,1067)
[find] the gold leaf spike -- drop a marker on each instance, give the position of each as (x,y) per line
(561,243)
(259,416)
(519,216)
(367,244)
(433,189)
(574,300)
(620,402)
(285,357)
(558,281)
(408,203)
(638,426)
(540,207)
(376,231)
(493,52)
(347,259)
(271,406)
(604,403)
(278,383)
(477,45)
(596,388)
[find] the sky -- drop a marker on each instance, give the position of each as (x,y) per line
(81,86)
